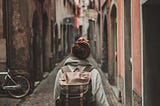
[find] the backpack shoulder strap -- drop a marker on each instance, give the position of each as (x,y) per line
(65,69)
(88,68)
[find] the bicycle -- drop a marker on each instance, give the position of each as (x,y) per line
(17,85)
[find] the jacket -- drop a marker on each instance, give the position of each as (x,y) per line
(96,82)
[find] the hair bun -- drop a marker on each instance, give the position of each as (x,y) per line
(81,49)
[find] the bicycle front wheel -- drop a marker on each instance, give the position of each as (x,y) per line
(24,86)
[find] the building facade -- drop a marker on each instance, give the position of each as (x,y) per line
(36,35)
(124,51)
(132,51)
(27,30)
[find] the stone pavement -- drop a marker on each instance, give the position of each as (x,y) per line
(43,94)
(5,100)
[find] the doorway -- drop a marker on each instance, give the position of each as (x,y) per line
(113,72)
(127,48)
(37,48)
(151,51)
(104,65)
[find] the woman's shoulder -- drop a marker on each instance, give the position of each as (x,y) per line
(95,71)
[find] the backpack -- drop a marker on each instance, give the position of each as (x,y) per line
(76,89)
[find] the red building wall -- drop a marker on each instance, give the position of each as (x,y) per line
(120,38)
(136,46)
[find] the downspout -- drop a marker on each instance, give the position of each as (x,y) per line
(101,24)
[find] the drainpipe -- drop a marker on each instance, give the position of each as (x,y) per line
(101,24)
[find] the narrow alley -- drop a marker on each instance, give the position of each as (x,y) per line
(36,37)
(43,94)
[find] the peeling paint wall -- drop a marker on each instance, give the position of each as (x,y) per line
(20,37)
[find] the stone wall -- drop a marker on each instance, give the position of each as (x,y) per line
(2,50)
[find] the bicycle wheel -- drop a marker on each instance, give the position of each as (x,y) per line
(24,86)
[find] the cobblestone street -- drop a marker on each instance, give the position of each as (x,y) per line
(5,100)
(43,94)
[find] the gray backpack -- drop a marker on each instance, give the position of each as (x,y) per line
(76,89)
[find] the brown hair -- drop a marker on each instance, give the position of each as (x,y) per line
(81,49)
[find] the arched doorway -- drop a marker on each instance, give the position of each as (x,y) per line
(104,66)
(45,41)
(40,41)
(37,47)
(113,47)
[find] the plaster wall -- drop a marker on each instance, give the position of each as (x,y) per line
(136,46)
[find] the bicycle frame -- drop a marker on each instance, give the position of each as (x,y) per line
(17,85)
(6,78)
